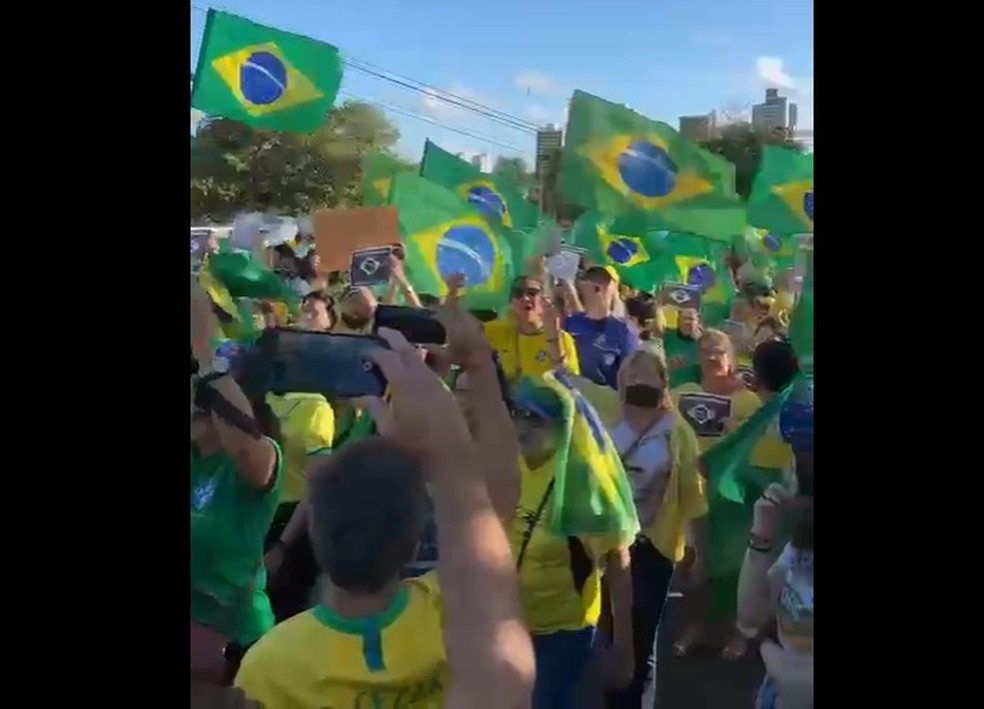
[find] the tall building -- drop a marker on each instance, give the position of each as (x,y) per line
(483,161)
(774,114)
(549,141)
(793,116)
(698,128)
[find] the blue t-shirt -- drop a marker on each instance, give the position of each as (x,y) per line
(601,345)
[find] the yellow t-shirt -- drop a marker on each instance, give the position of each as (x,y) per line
(307,427)
(317,659)
(743,405)
(527,355)
(552,566)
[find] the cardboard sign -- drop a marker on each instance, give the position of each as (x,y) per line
(706,413)
(338,233)
(681,295)
(370,267)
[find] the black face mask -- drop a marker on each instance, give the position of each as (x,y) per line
(354,322)
(643,395)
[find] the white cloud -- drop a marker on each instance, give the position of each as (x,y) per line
(449,103)
(536,82)
(771,72)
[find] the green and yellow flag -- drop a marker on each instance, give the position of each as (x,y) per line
(636,263)
(782,193)
(616,161)
(500,203)
(377,173)
(591,493)
(264,77)
(443,235)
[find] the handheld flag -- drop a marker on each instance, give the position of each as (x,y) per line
(377,173)
(264,77)
(592,496)
(616,161)
(442,235)
(782,193)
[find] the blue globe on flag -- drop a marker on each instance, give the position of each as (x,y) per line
(467,250)
(702,276)
(487,202)
(646,169)
(621,251)
(771,243)
(262,79)
(808,204)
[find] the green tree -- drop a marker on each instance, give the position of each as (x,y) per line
(742,145)
(235,168)
(513,171)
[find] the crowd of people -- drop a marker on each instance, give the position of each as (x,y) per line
(396,551)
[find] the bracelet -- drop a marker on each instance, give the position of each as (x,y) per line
(759,544)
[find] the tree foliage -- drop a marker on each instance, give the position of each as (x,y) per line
(742,145)
(235,168)
(513,171)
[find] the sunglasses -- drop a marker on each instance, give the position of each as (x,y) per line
(521,292)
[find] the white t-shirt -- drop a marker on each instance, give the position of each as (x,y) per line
(650,460)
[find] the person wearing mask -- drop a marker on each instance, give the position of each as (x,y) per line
(560,577)
(660,452)
(719,403)
(236,473)
(603,341)
(680,346)
(528,340)
(415,642)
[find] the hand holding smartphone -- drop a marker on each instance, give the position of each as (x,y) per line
(312,362)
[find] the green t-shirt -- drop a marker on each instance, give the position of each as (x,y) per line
(676,346)
(229,520)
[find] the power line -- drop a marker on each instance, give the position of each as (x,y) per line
(492,114)
(431,121)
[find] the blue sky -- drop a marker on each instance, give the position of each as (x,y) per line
(525,57)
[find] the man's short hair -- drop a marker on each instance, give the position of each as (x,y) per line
(775,364)
(598,274)
(322,296)
(368,505)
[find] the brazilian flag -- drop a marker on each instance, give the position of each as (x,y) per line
(444,235)
(782,193)
(500,203)
(617,161)
(630,255)
(264,77)
(377,172)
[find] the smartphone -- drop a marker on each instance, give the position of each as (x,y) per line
(310,362)
(418,325)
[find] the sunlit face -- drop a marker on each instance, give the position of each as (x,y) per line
(715,359)
(642,370)
(688,323)
(536,437)
(597,289)
(526,300)
(360,304)
(315,315)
